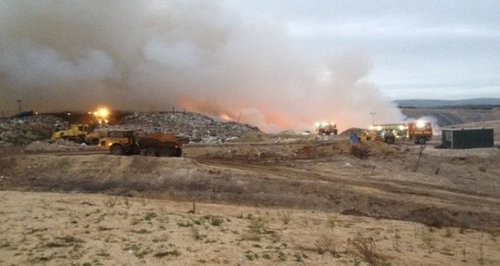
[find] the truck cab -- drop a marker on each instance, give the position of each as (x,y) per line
(120,142)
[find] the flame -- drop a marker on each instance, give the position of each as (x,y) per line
(225,116)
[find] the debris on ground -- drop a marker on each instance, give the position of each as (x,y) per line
(27,129)
(59,145)
(197,127)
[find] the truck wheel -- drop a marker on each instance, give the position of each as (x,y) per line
(389,140)
(117,150)
(150,152)
(421,141)
(178,152)
(136,149)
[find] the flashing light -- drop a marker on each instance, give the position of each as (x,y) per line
(323,124)
(401,127)
(420,124)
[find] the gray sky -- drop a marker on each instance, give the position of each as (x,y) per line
(419,49)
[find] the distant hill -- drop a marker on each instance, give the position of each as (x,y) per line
(431,103)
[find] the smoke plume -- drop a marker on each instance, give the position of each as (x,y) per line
(204,56)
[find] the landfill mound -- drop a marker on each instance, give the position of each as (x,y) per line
(27,129)
(197,127)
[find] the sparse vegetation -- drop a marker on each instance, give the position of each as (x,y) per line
(286,217)
(215,220)
(162,254)
(326,244)
(448,232)
(427,238)
(64,241)
(110,202)
(365,249)
(331,222)
(150,215)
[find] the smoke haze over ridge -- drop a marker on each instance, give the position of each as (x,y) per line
(204,56)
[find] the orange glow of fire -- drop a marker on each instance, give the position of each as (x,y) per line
(269,120)
(225,116)
(102,114)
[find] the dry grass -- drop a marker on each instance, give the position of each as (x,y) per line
(365,249)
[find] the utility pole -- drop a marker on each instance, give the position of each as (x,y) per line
(373,117)
(19,107)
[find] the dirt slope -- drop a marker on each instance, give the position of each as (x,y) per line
(91,229)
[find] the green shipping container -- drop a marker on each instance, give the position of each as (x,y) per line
(467,138)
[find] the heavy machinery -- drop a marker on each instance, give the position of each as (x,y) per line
(127,142)
(326,128)
(79,133)
(387,133)
(419,131)
(75,132)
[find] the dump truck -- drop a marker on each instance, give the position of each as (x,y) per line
(128,142)
(326,128)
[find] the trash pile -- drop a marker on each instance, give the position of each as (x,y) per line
(197,127)
(24,130)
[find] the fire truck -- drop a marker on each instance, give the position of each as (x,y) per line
(419,131)
(326,128)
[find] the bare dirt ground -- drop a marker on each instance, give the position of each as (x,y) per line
(297,200)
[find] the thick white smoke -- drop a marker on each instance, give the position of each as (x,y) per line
(204,56)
